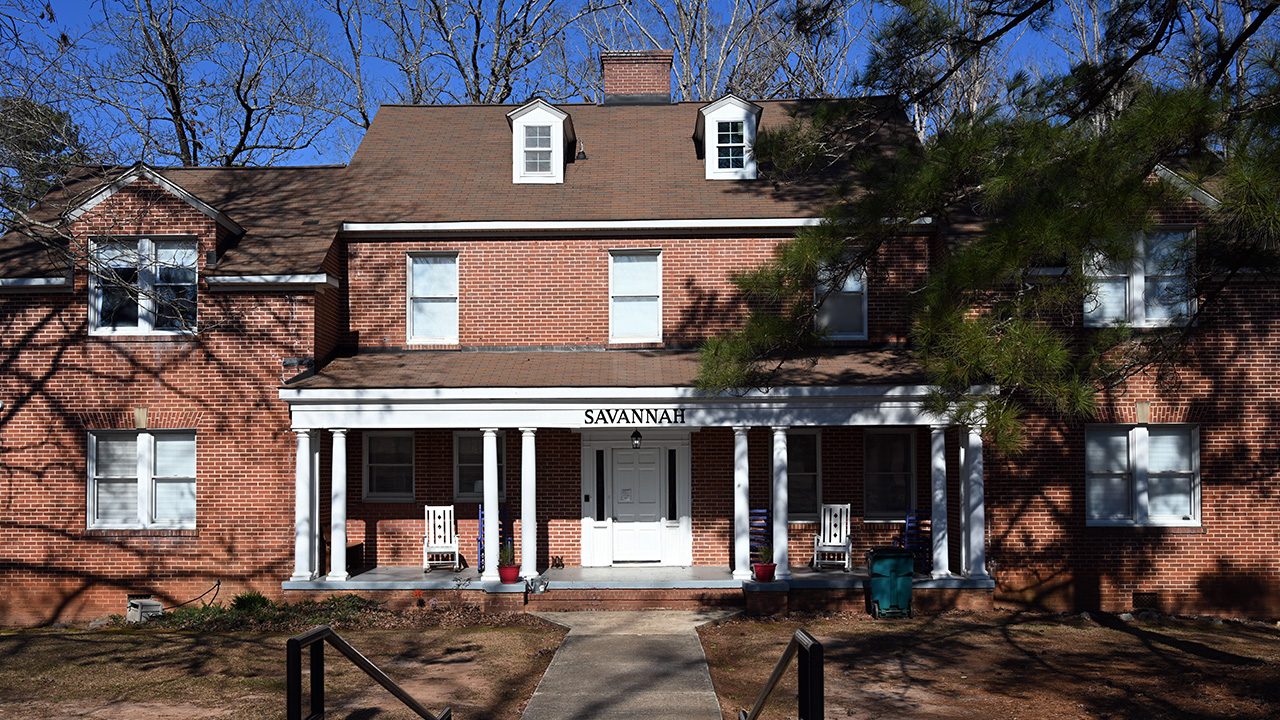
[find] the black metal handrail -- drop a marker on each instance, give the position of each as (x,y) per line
(315,638)
(809,675)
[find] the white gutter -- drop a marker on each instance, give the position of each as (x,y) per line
(259,281)
(572,394)
(578,226)
(34,283)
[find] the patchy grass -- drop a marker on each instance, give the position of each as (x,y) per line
(1008,665)
(190,665)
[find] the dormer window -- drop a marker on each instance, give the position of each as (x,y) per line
(731,146)
(537,149)
(540,134)
(724,133)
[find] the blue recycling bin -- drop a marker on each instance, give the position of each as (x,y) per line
(890,571)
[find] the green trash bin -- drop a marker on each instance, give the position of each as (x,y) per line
(890,569)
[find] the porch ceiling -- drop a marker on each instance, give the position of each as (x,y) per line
(592,368)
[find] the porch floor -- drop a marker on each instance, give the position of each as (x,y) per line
(619,578)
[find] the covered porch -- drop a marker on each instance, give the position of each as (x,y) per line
(705,461)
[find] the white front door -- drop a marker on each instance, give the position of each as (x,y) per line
(637,505)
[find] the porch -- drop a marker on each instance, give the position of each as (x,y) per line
(626,588)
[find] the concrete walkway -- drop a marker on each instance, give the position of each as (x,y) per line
(642,665)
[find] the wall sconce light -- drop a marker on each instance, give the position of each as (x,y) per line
(636,437)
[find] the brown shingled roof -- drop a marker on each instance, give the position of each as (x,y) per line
(590,368)
(452,163)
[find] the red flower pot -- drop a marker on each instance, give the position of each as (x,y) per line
(764,571)
(509,573)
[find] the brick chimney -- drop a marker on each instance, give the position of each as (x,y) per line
(636,77)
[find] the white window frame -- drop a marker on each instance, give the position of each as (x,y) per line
(458,495)
(145,286)
(792,514)
(145,478)
(818,291)
(867,437)
(368,494)
(1135,311)
(729,108)
(538,113)
(410,295)
(615,337)
(1138,479)
(537,149)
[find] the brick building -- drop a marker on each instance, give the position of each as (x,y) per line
(494,308)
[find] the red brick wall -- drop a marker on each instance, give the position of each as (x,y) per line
(531,292)
(642,72)
(58,382)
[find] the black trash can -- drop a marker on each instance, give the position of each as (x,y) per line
(889,585)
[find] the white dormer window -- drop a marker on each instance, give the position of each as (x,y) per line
(537,150)
(731,145)
(725,131)
(540,132)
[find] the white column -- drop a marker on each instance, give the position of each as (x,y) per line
(976,508)
(491,510)
(938,451)
(780,554)
(741,507)
(338,507)
(528,504)
(303,523)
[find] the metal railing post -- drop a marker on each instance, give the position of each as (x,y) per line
(809,669)
(317,680)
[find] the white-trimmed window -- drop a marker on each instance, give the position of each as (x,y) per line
(726,131)
(537,149)
(1150,291)
(433,298)
(844,313)
(1142,475)
(142,479)
(143,285)
(804,475)
(468,466)
(635,296)
(889,474)
(388,466)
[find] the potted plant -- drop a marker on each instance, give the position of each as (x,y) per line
(508,570)
(766,567)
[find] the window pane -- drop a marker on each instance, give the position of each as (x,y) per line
(435,276)
(435,318)
(1165,297)
(1169,496)
(537,136)
(802,454)
(471,479)
(729,133)
(118,301)
(1107,451)
(635,317)
(888,452)
(1108,302)
(888,472)
(635,274)
(391,479)
(842,314)
(117,456)
(471,449)
(175,455)
(802,493)
(117,501)
(1166,252)
(1169,450)
(537,161)
(176,500)
(1107,497)
(176,260)
(391,449)
(731,156)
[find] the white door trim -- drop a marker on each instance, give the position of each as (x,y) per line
(597,548)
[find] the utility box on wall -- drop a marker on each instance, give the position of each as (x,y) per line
(143,609)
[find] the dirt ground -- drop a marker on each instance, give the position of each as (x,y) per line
(155,675)
(1008,665)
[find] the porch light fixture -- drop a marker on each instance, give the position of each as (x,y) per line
(636,437)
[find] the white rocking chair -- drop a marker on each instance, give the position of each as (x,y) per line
(440,544)
(832,546)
